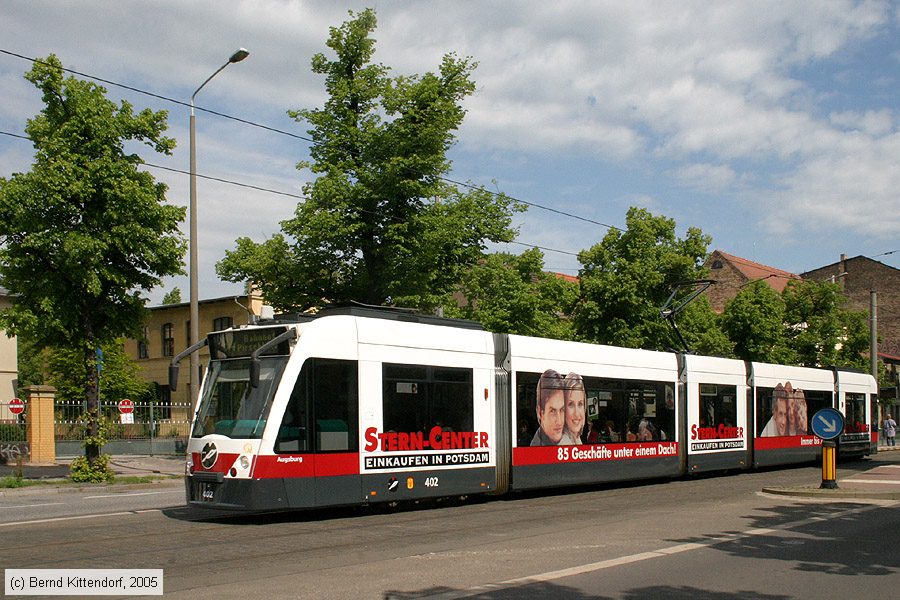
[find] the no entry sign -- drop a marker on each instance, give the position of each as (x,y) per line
(126,406)
(16,406)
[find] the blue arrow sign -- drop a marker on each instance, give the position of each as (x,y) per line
(828,423)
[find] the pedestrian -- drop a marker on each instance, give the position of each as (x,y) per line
(890,429)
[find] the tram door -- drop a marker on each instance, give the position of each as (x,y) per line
(321,423)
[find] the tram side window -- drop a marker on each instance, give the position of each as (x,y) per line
(322,414)
(615,410)
(417,398)
(785,410)
(718,405)
(873,412)
(856,413)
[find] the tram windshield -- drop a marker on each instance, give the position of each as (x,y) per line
(230,406)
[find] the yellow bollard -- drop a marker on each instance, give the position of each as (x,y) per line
(829,466)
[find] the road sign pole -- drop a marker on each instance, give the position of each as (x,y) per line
(829,467)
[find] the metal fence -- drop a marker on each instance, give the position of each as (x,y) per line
(146,428)
(13,441)
(146,421)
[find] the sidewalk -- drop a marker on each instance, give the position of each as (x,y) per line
(881,481)
(122,465)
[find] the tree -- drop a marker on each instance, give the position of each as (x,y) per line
(820,330)
(806,324)
(629,275)
(754,321)
(173,296)
(513,294)
(379,225)
(85,231)
(118,378)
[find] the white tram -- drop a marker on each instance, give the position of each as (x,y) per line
(359,406)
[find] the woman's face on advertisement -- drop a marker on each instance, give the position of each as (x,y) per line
(575,411)
(799,412)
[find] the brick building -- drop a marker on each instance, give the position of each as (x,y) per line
(731,273)
(859,276)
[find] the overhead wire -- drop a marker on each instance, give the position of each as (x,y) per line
(304,138)
(307,139)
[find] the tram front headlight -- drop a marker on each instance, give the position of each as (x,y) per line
(245,462)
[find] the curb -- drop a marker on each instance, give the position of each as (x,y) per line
(65,488)
(837,494)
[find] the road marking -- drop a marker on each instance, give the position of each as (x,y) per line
(31,505)
(633,558)
(79,517)
(872,481)
(179,491)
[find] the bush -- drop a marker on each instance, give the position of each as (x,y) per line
(11,433)
(98,471)
(82,471)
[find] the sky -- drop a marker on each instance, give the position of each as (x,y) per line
(772,126)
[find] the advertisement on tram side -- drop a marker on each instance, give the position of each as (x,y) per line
(574,419)
(783,416)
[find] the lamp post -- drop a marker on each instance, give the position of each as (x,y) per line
(238,56)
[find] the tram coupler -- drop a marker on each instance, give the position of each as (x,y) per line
(829,467)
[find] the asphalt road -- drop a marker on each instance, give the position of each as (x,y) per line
(715,537)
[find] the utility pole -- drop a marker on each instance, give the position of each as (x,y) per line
(873,332)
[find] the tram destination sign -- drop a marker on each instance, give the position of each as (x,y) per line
(828,423)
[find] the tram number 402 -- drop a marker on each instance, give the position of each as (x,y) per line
(431,482)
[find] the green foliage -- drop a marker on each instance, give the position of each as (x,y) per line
(379,226)
(119,376)
(173,296)
(12,481)
(629,275)
(86,230)
(513,294)
(702,329)
(11,433)
(31,363)
(806,325)
(820,330)
(83,470)
(93,469)
(754,321)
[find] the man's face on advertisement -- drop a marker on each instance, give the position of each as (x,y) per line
(781,415)
(553,416)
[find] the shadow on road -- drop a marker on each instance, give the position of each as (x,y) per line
(552,591)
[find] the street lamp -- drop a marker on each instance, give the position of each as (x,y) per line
(238,56)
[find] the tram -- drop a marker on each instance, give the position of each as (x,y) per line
(360,406)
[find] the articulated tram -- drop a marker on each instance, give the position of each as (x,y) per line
(359,406)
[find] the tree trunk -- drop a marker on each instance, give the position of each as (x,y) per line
(92,451)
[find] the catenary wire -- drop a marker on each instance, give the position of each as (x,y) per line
(300,137)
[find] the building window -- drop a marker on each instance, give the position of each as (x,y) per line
(168,340)
(717,264)
(143,345)
(222,323)
(163,408)
(187,333)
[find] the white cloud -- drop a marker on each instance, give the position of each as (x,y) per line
(872,122)
(732,99)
